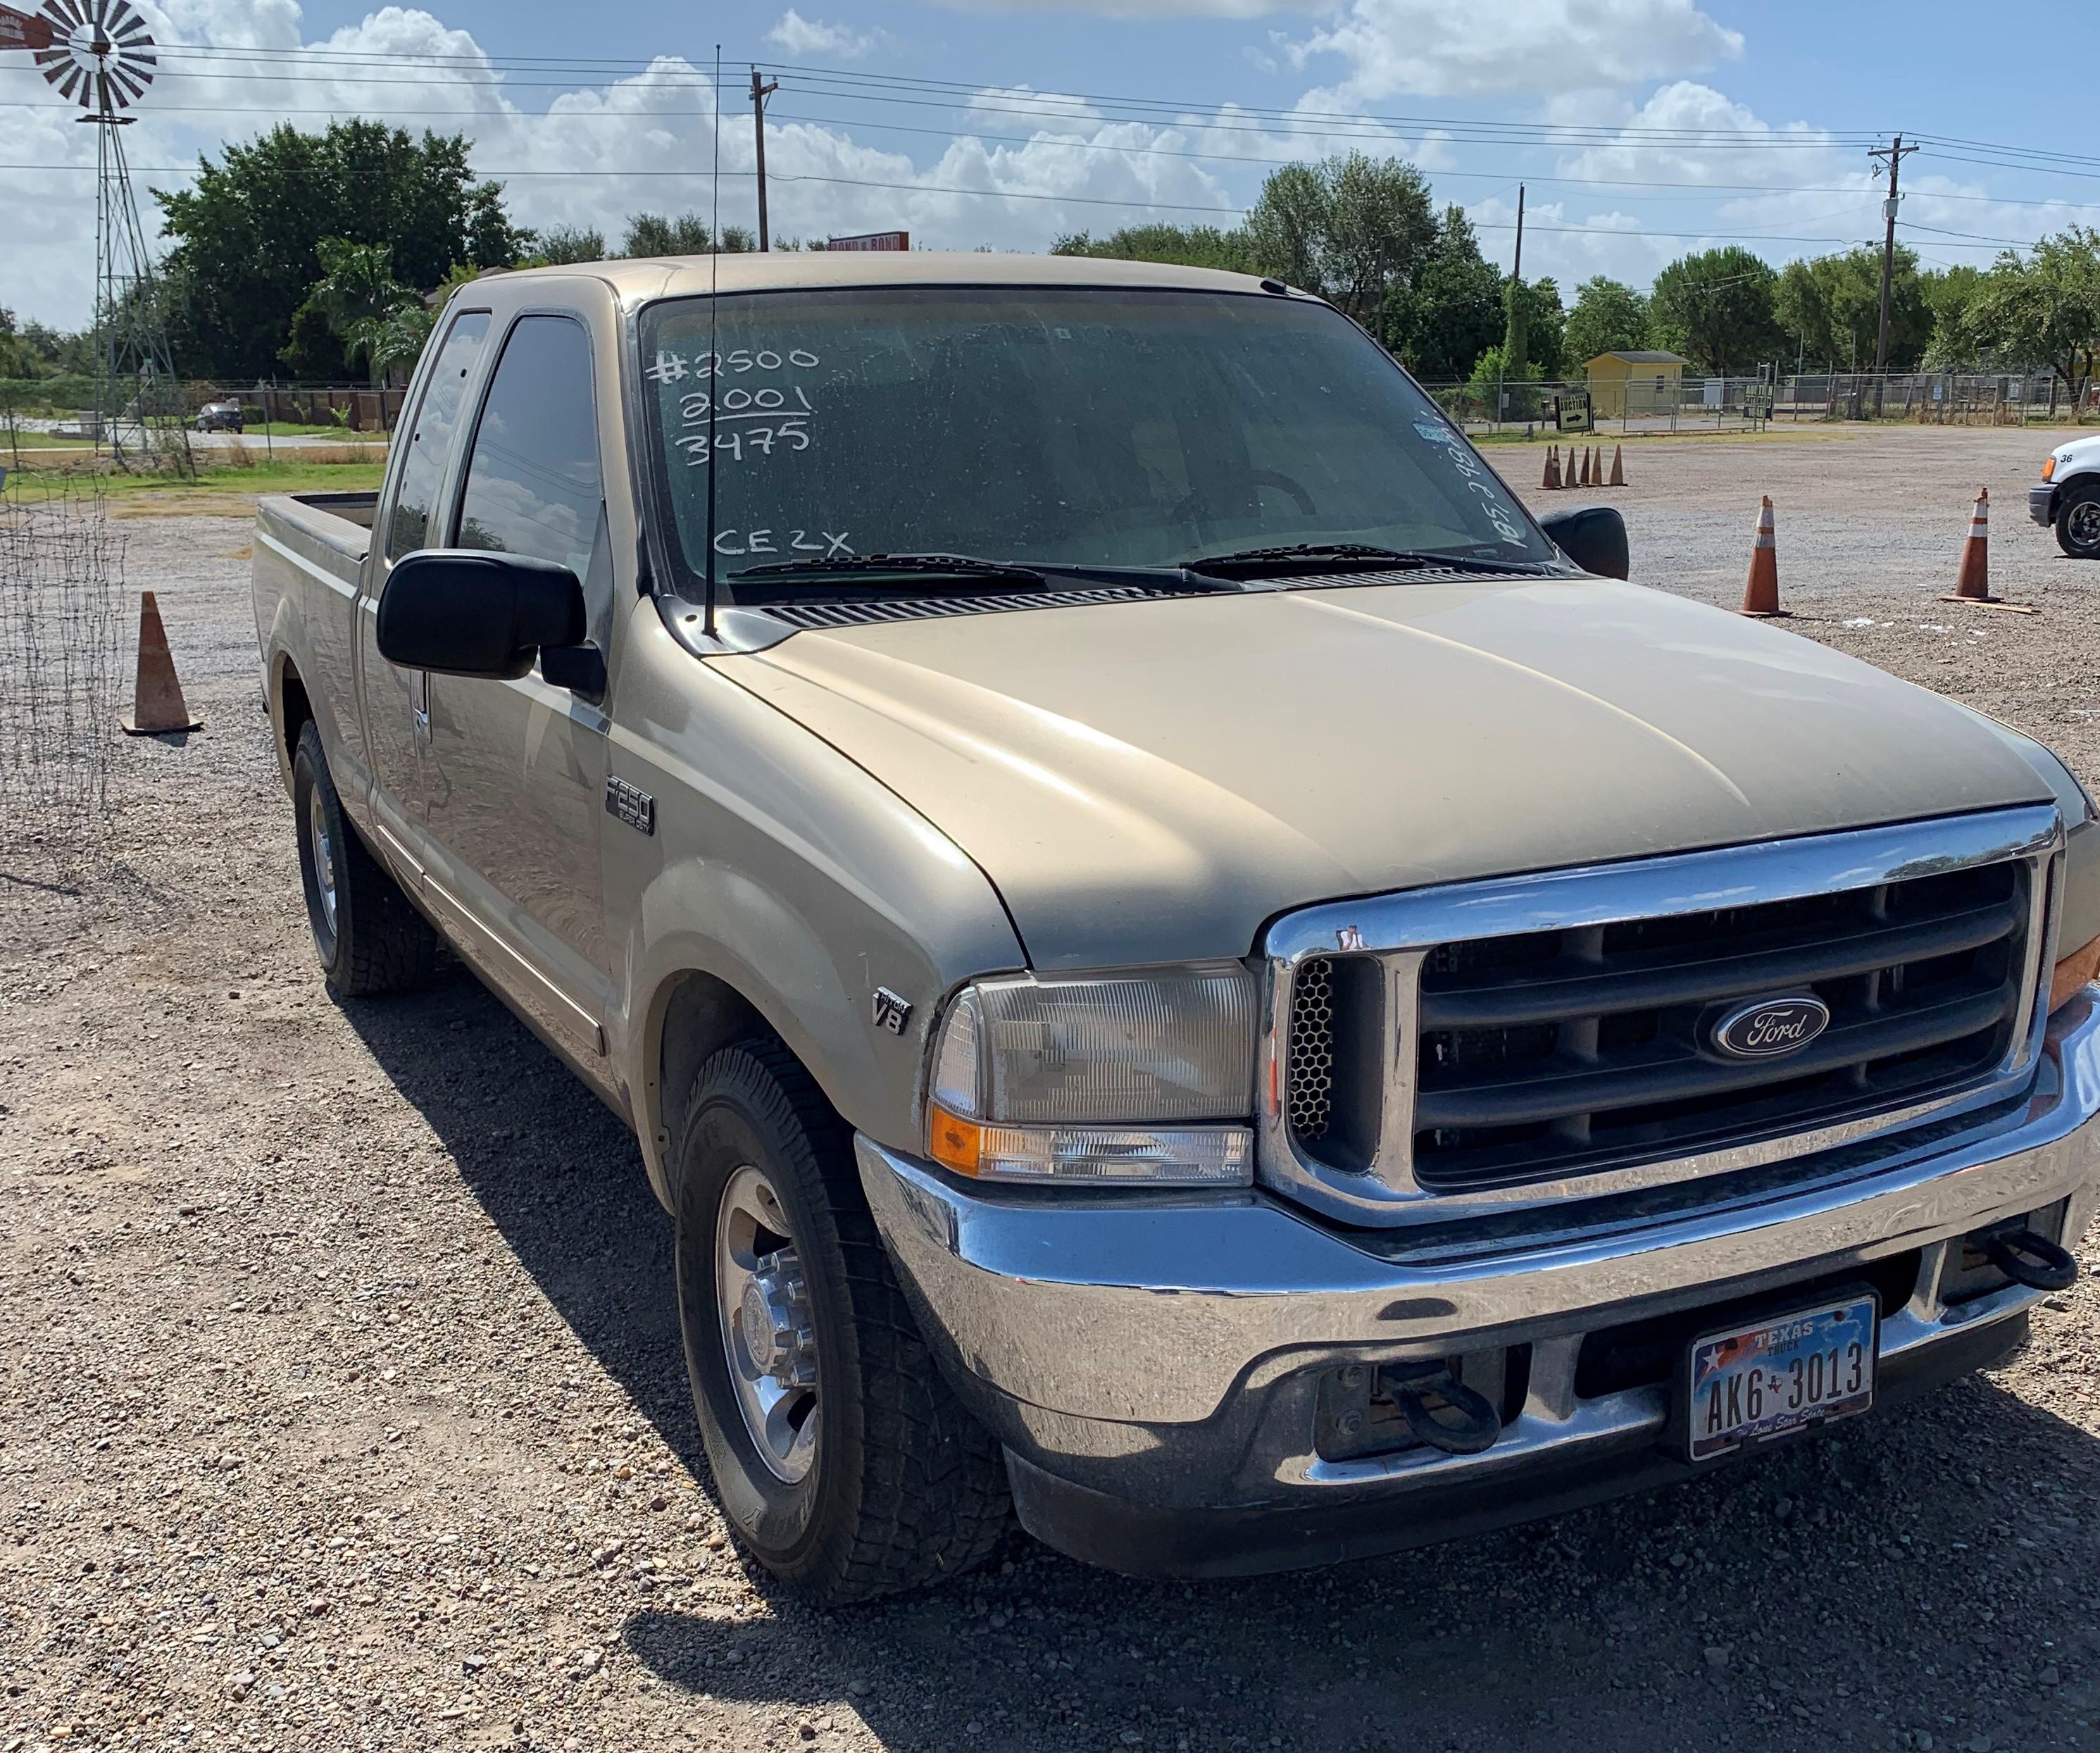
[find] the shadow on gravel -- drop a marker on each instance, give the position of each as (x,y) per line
(559,1174)
(1933,1569)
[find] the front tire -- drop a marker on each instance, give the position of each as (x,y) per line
(2078,520)
(367,936)
(842,1460)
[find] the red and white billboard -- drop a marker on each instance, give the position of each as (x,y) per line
(23,30)
(873,240)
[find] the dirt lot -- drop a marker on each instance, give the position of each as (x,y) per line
(340,1403)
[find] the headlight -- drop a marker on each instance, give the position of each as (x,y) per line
(1145,1077)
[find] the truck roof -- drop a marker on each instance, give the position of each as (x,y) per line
(669,277)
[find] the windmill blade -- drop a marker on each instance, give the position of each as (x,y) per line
(118,18)
(65,13)
(134,87)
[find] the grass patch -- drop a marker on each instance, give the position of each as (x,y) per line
(221,488)
(289,428)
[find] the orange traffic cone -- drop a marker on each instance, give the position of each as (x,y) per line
(1552,479)
(1761,589)
(1972,584)
(1582,478)
(157,705)
(1618,466)
(1596,466)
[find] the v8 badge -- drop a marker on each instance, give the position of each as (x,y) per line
(890,1012)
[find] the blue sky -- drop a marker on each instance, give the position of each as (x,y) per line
(1642,128)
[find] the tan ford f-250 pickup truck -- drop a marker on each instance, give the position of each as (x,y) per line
(1177,960)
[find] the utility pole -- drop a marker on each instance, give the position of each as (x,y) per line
(761,89)
(1513,323)
(1895,152)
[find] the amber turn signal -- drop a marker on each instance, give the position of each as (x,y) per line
(954,1142)
(2049,469)
(2073,971)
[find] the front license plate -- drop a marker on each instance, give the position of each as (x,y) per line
(1756,1382)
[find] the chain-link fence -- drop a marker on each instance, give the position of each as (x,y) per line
(62,682)
(41,418)
(1665,402)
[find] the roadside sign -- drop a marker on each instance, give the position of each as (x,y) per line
(873,240)
(23,30)
(1571,412)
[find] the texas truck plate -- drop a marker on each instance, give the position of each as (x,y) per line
(1782,1373)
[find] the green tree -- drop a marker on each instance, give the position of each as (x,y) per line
(1187,245)
(1451,312)
(1609,317)
(564,244)
(1831,308)
(15,360)
(1545,324)
(1948,293)
(2042,308)
(247,233)
(1715,307)
(1284,229)
(1379,225)
(652,234)
(1513,358)
(1351,228)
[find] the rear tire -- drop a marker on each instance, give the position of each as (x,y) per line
(368,937)
(2078,520)
(842,1460)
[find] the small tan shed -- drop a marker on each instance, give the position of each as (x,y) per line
(1635,382)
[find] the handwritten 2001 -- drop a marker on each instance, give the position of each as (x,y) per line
(759,418)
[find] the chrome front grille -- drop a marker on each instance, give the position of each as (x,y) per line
(1562,1053)
(1551,1035)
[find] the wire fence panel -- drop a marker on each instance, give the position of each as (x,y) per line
(62,682)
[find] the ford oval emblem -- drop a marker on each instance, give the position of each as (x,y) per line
(1767,1027)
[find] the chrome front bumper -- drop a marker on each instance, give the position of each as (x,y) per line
(1165,1353)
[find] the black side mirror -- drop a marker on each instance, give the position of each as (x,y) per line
(462,613)
(1593,538)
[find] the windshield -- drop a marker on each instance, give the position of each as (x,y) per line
(1052,425)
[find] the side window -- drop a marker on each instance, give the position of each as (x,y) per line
(533,483)
(430,437)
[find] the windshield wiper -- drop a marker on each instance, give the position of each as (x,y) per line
(1307,557)
(953,566)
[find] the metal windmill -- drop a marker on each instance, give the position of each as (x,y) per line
(98,54)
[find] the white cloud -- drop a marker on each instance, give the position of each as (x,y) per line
(1057,164)
(1432,48)
(1146,8)
(797,35)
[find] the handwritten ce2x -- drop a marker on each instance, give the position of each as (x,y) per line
(760,541)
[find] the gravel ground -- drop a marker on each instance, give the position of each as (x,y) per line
(340,1403)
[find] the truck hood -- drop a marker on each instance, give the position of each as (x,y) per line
(2079,453)
(1153,781)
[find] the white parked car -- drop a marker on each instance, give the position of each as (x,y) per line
(2068,496)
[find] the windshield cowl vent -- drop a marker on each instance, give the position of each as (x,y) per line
(817,616)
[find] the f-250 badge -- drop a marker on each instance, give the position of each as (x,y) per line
(631,804)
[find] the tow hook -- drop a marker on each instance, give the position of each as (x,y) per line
(2031,1259)
(1444,1412)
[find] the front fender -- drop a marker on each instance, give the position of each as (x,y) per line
(777,867)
